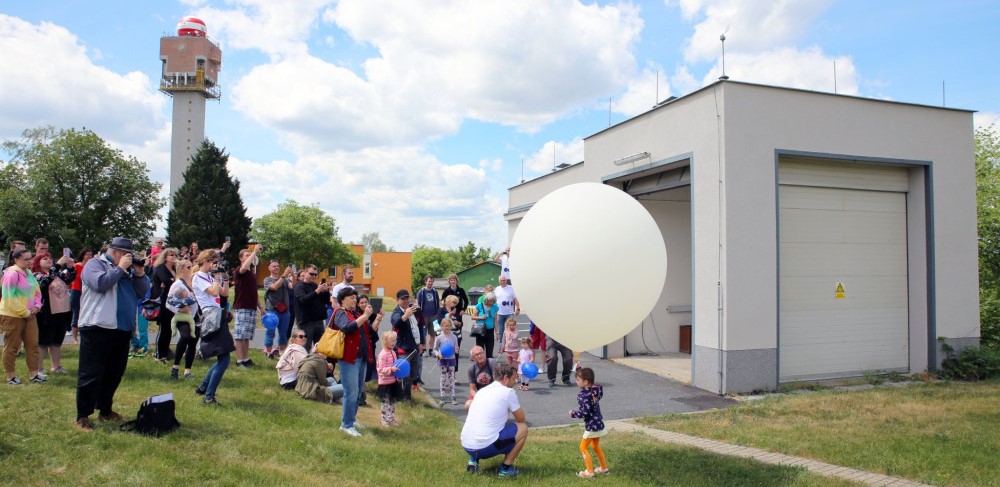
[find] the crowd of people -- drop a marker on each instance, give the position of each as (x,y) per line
(103,300)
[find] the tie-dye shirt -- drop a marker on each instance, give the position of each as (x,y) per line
(21,293)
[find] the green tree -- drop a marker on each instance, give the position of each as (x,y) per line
(432,261)
(987,145)
(468,255)
(373,243)
(208,207)
(71,187)
(301,234)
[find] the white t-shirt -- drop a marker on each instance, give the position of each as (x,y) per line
(336,291)
(505,300)
(200,282)
(488,415)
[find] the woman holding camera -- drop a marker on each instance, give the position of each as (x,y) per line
(216,341)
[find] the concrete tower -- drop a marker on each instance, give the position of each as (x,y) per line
(191,64)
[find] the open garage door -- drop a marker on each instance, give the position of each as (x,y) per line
(843,269)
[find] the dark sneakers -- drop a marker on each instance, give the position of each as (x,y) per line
(473,466)
(199,391)
(505,471)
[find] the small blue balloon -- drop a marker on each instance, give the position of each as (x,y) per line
(269,320)
(529,370)
(447,351)
(402,368)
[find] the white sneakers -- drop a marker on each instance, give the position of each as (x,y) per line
(351,431)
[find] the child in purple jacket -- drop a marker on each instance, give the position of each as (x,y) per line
(593,421)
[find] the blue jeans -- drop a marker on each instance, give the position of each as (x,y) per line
(214,375)
(74,304)
(282,330)
(141,339)
(352,377)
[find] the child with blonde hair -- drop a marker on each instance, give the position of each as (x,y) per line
(389,390)
(525,356)
(593,421)
(511,345)
(447,364)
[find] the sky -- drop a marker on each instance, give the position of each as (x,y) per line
(413,119)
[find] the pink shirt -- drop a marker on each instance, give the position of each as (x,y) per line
(384,367)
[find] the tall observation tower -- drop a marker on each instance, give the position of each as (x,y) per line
(191,64)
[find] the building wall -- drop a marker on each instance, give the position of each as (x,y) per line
(187,133)
(391,271)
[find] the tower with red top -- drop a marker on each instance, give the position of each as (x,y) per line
(191,64)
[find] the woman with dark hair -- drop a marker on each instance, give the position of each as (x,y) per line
(164,275)
(76,290)
(22,300)
(357,353)
(370,372)
(53,282)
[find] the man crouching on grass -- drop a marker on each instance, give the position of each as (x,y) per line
(486,432)
(112,287)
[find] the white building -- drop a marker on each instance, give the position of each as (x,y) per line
(809,235)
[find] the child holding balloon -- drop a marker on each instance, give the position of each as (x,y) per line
(389,390)
(525,356)
(444,350)
(593,421)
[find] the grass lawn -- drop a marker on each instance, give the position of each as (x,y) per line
(264,435)
(943,433)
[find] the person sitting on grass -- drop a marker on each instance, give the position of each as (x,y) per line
(486,432)
(288,364)
(313,383)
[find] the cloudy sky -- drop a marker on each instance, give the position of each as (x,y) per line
(413,118)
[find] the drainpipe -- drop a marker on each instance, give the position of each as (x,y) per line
(721,375)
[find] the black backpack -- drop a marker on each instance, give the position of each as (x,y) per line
(155,417)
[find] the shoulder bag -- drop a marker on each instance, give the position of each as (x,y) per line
(332,342)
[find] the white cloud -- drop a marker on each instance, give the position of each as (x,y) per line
(809,69)
(518,63)
(49,78)
(986,119)
(276,28)
(684,81)
(749,25)
(554,153)
(643,92)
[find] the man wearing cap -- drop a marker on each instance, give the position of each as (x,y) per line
(408,340)
(111,289)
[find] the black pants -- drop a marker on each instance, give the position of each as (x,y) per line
(186,344)
(487,341)
(163,336)
(314,331)
(553,349)
(103,358)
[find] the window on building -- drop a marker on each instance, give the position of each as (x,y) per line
(368,265)
(333,272)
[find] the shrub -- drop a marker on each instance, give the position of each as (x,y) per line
(972,363)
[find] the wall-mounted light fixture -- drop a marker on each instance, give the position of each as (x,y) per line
(632,158)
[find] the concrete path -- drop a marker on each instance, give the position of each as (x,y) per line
(764,456)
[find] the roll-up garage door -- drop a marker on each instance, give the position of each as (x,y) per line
(843,269)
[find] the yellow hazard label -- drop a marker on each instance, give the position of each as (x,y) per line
(839,293)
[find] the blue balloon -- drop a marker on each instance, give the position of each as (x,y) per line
(269,320)
(529,370)
(447,351)
(402,368)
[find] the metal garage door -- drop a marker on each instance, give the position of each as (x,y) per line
(843,269)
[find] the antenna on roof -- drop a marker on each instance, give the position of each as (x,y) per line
(609,111)
(522,168)
(657,99)
(835,76)
(723,39)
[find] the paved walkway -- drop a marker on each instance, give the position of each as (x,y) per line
(764,456)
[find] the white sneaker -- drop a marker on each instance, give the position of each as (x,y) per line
(351,431)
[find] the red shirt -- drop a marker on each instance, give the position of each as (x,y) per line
(76,282)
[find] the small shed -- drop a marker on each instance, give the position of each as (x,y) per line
(479,275)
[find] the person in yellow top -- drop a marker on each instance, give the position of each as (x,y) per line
(22,300)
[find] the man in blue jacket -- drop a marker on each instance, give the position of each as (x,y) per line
(112,286)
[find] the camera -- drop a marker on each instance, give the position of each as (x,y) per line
(138,260)
(223,266)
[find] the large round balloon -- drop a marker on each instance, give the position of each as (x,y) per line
(402,368)
(447,351)
(269,320)
(588,264)
(529,370)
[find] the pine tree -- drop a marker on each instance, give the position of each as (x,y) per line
(208,207)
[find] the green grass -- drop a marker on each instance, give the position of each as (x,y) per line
(944,433)
(264,435)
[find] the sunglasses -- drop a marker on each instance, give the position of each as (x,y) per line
(300,336)
(314,274)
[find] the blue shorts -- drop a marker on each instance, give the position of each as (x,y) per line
(504,444)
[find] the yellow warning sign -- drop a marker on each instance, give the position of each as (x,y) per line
(839,293)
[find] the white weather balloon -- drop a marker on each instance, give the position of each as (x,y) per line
(588,264)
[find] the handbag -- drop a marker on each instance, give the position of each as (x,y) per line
(332,342)
(478,329)
(156,417)
(280,307)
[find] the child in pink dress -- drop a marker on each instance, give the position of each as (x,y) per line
(389,389)
(511,345)
(525,356)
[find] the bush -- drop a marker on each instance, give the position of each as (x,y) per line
(989,315)
(972,363)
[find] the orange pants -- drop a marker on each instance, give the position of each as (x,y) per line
(15,332)
(595,443)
